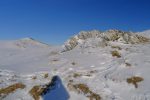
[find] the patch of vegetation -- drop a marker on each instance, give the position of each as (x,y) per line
(128,64)
(75,75)
(93,71)
(55,60)
(34,77)
(36,92)
(82,88)
(11,88)
(46,75)
(70,81)
(73,63)
(89,75)
(134,80)
(116,54)
(116,47)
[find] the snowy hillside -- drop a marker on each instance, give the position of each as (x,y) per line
(145,33)
(102,37)
(93,65)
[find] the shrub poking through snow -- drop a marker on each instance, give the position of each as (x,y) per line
(11,88)
(134,80)
(82,88)
(116,54)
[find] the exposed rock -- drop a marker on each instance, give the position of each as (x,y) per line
(101,39)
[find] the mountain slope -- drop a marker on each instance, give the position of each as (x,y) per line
(103,37)
(99,67)
(25,54)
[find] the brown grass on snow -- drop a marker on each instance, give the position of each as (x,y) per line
(134,80)
(116,47)
(36,92)
(11,88)
(82,88)
(116,54)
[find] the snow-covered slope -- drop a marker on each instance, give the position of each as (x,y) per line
(103,37)
(111,65)
(145,33)
(25,55)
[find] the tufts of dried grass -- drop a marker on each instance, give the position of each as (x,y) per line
(116,47)
(11,88)
(46,75)
(34,77)
(82,88)
(128,64)
(76,75)
(36,92)
(116,54)
(134,80)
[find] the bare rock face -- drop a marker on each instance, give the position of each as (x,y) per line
(102,38)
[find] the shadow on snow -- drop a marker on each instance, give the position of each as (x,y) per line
(56,90)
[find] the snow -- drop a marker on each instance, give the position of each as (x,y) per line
(100,71)
(58,92)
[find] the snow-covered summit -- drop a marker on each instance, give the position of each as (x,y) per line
(107,36)
(29,42)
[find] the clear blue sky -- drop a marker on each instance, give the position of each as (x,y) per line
(54,21)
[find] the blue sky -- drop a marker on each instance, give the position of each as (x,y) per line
(54,21)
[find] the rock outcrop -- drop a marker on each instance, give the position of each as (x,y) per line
(102,38)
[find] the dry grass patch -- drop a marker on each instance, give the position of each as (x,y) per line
(93,71)
(134,80)
(11,88)
(46,75)
(34,77)
(76,75)
(116,47)
(116,54)
(55,60)
(128,64)
(36,92)
(73,63)
(82,88)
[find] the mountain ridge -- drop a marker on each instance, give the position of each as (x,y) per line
(106,36)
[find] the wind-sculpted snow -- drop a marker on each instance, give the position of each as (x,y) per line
(103,37)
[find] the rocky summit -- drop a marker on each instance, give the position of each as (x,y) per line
(104,38)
